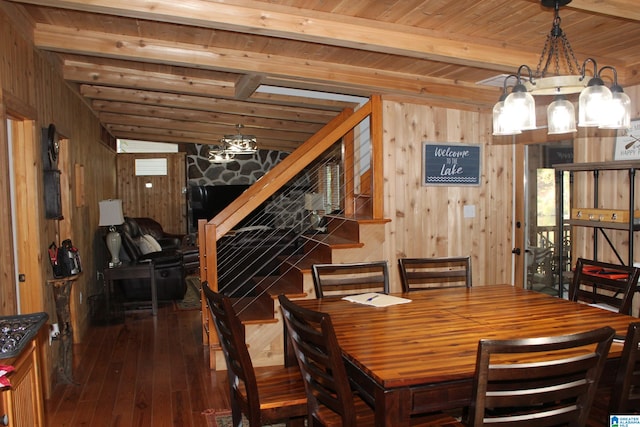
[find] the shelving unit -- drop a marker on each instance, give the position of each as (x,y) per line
(600,227)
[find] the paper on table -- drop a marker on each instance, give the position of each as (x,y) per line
(605,307)
(376,300)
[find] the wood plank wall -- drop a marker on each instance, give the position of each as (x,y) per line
(429,221)
(165,201)
(33,90)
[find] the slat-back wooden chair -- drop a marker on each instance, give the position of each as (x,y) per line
(556,390)
(608,285)
(625,395)
(266,395)
(440,272)
(350,278)
(331,400)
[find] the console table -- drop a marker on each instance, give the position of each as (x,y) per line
(143,270)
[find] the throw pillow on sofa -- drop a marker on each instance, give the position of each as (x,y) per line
(147,244)
(153,242)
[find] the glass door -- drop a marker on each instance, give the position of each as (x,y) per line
(541,210)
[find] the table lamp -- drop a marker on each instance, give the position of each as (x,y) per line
(110,216)
(314,202)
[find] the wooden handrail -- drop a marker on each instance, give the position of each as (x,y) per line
(342,126)
(289,167)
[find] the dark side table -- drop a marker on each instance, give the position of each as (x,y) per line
(143,270)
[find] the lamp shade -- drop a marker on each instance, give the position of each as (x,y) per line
(561,116)
(313,202)
(521,107)
(593,103)
(502,123)
(618,114)
(110,212)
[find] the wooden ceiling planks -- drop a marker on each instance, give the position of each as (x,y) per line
(200,61)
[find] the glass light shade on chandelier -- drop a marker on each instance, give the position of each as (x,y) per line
(561,116)
(593,103)
(503,123)
(617,114)
(521,107)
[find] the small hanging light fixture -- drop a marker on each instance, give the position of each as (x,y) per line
(239,143)
(232,145)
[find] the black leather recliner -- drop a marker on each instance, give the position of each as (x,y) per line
(169,268)
(184,243)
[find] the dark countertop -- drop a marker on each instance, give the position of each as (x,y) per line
(17,331)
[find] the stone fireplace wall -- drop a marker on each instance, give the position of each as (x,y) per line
(287,208)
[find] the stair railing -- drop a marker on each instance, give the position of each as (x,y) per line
(339,130)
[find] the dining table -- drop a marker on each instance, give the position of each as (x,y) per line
(419,357)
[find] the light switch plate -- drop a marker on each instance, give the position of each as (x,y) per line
(469,211)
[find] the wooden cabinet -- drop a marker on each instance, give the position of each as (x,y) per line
(23,402)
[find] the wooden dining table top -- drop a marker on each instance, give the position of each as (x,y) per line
(434,338)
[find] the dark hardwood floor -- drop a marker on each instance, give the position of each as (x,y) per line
(144,372)
(148,371)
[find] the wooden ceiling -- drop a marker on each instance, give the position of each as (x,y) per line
(187,71)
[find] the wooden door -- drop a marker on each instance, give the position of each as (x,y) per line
(158,196)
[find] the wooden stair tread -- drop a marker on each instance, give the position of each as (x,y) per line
(274,286)
(302,262)
(361,219)
(260,310)
(333,241)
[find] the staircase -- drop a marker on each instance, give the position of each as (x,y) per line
(357,234)
(346,240)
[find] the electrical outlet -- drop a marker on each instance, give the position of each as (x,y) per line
(80,297)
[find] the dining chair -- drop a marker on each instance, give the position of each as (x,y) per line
(264,395)
(440,272)
(625,394)
(350,278)
(606,285)
(509,389)
(330,398)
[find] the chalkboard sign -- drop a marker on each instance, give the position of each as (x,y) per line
(451,164)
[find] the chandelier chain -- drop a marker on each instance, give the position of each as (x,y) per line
(570,57)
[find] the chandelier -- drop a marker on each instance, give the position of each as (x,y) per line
(598,106)
(232,145)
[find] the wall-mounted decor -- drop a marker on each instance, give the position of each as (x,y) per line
(52,196)
(555,154)
(51,175)
(627,145)
(451,164)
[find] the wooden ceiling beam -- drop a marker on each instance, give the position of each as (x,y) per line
(300,101)
(247,85)
(627,9)
(184,115)
(85,42)
(85,72)
(250,109)
(212,131)
(161,135)
(326,28)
